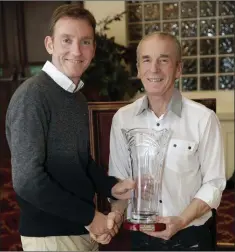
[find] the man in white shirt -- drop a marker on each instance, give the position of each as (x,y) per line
(194,170)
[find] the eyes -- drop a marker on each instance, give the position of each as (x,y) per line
(82,42)
(160,61)
(86,42)
(66,41)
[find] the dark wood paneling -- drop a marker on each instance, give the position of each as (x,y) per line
(5,94)
(9,14)
(33,22)
(100,116)
(3,52)
(22,30)
(34,19)
(36,28)
(23,26)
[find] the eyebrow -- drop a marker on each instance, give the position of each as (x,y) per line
(164,55)
(161,55)
(145,57)
(66,35)
(71,36)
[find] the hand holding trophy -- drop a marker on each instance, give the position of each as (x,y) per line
(147,148)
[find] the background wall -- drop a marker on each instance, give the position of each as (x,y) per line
(101,9)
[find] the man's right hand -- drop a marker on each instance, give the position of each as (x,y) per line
(112,225)
(98,225)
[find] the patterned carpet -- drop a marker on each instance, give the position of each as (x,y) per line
(225,220)
(9,216)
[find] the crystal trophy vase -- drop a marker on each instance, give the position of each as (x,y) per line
(147,149)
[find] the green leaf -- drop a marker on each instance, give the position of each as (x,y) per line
(34,69)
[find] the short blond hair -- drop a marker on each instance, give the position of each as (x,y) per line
(161,35)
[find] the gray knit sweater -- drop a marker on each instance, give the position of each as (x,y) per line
(53,173)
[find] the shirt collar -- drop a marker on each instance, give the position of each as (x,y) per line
(175,104)
(61,79)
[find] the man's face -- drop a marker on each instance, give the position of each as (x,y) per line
(72,47)
(158,65)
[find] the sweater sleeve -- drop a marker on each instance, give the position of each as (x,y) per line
(102,182)
(26,130)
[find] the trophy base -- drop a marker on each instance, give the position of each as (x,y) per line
(143,217)
(148,227)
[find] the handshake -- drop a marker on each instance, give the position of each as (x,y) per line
(104,227)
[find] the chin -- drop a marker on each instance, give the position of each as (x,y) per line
(75,75)
(155,92)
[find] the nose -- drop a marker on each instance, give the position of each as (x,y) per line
(76,50)
(155,67)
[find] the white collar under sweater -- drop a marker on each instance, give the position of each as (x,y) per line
(61,79)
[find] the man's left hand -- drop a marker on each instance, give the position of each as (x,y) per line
(173,225)
(122,190)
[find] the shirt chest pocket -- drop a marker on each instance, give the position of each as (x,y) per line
(181,155)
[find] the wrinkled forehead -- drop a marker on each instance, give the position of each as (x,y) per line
(156,45)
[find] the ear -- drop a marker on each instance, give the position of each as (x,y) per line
(138,72)
(179,70)
(48,42)
(94,50)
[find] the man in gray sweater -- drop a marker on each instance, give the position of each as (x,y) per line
(47,129)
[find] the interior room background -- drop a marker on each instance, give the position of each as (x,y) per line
(205,29)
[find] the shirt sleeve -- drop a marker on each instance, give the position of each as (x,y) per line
(26,129)
(119,160)
(211,157)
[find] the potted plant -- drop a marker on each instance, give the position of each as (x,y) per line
(108,78)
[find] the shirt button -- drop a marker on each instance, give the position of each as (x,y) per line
(174,145)
(189,147)
(158,124)
(160,201)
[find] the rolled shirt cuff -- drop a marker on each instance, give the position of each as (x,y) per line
(210,195)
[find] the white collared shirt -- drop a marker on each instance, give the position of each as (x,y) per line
(61,79)
(194,162)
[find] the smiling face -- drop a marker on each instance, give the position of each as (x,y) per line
(158,64)
(72,46)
